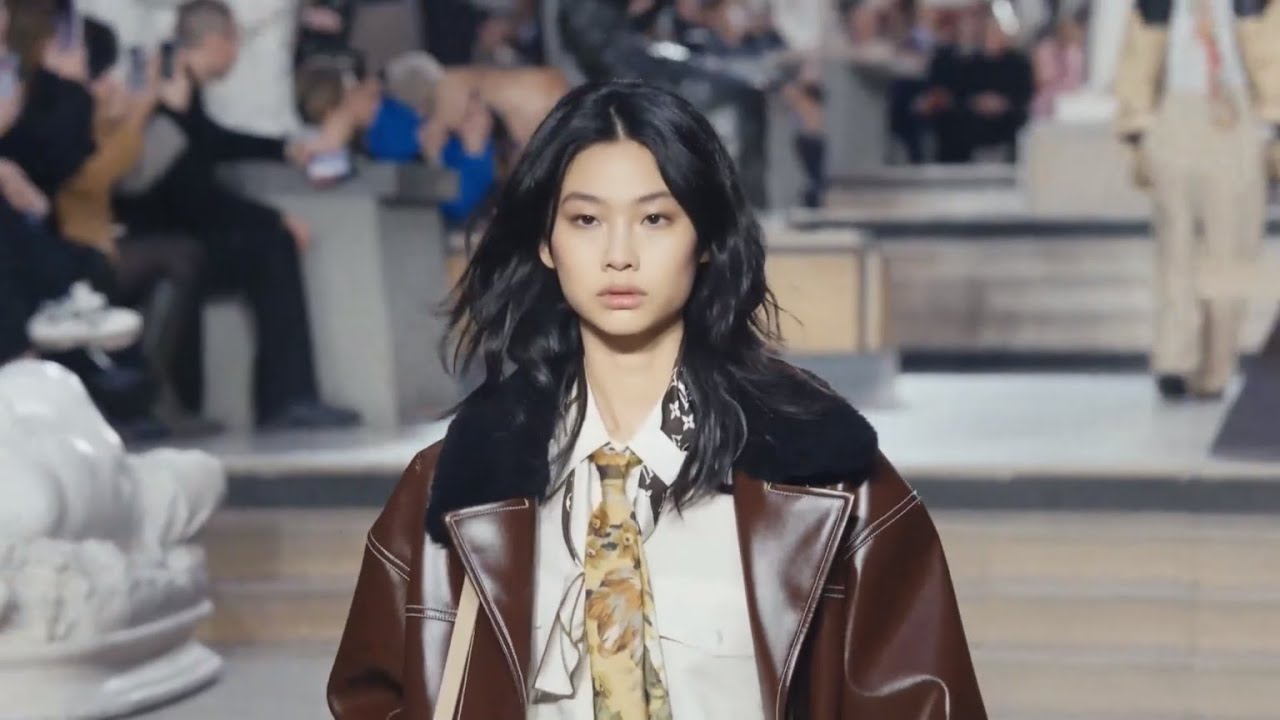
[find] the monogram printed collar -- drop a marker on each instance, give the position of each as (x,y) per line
(661,443)
(661,440)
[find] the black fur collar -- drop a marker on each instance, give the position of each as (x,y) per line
(502,435)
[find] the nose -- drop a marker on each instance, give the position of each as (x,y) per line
(620,251)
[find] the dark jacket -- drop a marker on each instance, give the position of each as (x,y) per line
(852,610)
(53,135)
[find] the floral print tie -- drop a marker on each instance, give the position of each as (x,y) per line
(626,660)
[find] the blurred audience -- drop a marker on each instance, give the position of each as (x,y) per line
(1059,61)
(978,99)
(388,129)
(249,247)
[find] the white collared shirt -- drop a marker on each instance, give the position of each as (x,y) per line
(1187,66)
(695,572)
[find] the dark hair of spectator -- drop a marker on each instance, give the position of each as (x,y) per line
(100,46)
(198,19)
(508,310)
(31,26)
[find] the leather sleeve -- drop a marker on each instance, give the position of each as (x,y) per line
(906,655)
(1140,73)
(1259,27)
(367,680)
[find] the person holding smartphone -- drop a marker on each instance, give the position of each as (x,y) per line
(250,248)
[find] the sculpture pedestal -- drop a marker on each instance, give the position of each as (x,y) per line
(101,584)
(117,674)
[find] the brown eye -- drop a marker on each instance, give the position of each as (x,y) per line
(585,220)
(656,219)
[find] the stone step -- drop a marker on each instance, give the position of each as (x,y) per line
(1113,686)
(286,543)
(258,613)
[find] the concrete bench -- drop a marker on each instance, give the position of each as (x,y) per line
(857,112)
(374,278)
(1077,167)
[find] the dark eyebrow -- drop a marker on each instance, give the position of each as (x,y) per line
(585,197)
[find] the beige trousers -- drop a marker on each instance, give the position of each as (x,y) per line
(1209,194)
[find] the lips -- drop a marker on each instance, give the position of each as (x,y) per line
(622,297)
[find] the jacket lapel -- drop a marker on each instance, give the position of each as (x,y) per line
(496,545)
(788,536)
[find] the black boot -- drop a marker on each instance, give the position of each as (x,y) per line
(1172,387)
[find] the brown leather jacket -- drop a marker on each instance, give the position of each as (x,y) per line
(852,609)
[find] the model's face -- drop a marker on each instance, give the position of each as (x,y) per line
(622,247)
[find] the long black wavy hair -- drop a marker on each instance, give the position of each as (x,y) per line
(507,310)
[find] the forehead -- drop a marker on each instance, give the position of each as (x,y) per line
(615,171)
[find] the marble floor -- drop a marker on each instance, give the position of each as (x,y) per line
(990,425)
(260,683)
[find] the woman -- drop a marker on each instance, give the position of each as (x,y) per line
(1059,62)
(660,517)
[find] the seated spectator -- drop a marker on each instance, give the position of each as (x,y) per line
(389,130)
(979,100)
(1059,62)
(249,247)
(137,265)
(50,137)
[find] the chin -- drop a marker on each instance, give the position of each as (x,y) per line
(629,327)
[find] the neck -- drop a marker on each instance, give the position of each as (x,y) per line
(629,378)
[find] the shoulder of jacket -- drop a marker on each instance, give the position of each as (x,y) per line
(399,527)
(888,499)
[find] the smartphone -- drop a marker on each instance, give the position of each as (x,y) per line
(167,52)
(9,80)
(137,68)
(68,25)
(330,167)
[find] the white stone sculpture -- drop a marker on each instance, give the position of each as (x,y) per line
(100,587)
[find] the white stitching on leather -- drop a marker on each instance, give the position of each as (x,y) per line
(391,560)
(444,615)
(868,537)
(806,616)
(875,525)
(821,492)
(503,636)
(836,595)
(394,560)
(524,503)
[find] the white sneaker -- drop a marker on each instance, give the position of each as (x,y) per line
(82,318)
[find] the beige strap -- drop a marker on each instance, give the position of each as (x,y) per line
(455,664)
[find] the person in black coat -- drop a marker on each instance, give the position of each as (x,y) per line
(250,248)
(980,99)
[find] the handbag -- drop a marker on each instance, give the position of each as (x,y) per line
(459,656)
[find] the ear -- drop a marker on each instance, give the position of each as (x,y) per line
(544,253)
